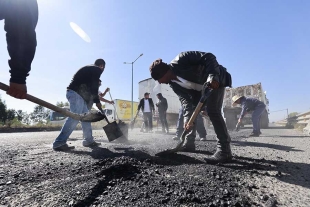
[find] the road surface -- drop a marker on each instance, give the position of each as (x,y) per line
(273,168)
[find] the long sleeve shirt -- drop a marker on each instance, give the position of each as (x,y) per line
(197,68)
(162,105)
(249,104)
(21,18)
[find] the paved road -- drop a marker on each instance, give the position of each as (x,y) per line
(274,165)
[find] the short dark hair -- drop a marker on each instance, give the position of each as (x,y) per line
(158,69)
(99,62)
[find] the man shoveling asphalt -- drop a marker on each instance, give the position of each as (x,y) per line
(188,75)
(81,94)
(250,104)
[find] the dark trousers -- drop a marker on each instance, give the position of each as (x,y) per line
(199,125)
(163,121)
(148,121)
(257,113)
(214,105)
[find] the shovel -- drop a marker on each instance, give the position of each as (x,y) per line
(85,117)
(238,127)
(112,130)
(132,123)
(190,122)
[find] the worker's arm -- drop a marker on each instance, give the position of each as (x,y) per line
(94,83)
(21,18)
(105,92)
(243,112)
(206,64)
(105,100)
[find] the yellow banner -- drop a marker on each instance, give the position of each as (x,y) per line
(124,109)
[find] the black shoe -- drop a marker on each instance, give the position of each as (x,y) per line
(64,147)
(176,138)
(188,148)
(254,134)
(94,144)
(219,157)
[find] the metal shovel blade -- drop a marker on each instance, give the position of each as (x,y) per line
(112,131)
(92,116)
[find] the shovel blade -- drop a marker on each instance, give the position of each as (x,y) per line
(170,151)
(112,131)
(92,117)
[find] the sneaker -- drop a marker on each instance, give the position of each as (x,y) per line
(64,147)
(203,139)
(176,138)
(93,144)
(219,157)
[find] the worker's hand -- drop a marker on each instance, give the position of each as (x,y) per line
(111,102)
(187,126)
(204,113)
(213,84)
(99,106)
(107,90)
(239,120)
(17,90)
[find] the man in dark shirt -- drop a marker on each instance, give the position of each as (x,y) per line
(82,92)
(250,104)
(162,105)
(21,18)
(189,74)
(147,106)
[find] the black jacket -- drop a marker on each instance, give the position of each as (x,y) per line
(141,105)
(162,105)
(21,18)
(86,83)
(197,67)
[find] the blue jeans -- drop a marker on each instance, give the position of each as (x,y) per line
(199,125)
(79,106)
(256,117)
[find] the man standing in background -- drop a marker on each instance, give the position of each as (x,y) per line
(162,105)
(147,106)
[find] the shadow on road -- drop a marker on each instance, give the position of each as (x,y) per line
(265,145)
(289,172)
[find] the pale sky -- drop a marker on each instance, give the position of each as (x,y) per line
(257,41)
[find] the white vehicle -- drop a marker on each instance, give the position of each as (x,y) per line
(148,85)
(232,114)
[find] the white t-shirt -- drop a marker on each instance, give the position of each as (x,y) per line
(147,106)
(188,84)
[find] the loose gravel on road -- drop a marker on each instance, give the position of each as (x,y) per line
(271,170)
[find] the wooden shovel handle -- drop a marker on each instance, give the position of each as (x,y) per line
(36,100)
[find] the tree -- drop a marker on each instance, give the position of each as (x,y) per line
(39,114)
(292,114)
(62,104)
(10,114)
(2,111)
(19,115)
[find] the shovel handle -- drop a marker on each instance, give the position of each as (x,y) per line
(36,100)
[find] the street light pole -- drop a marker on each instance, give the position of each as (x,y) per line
(132,83)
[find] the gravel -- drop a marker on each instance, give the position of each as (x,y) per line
(267,171)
